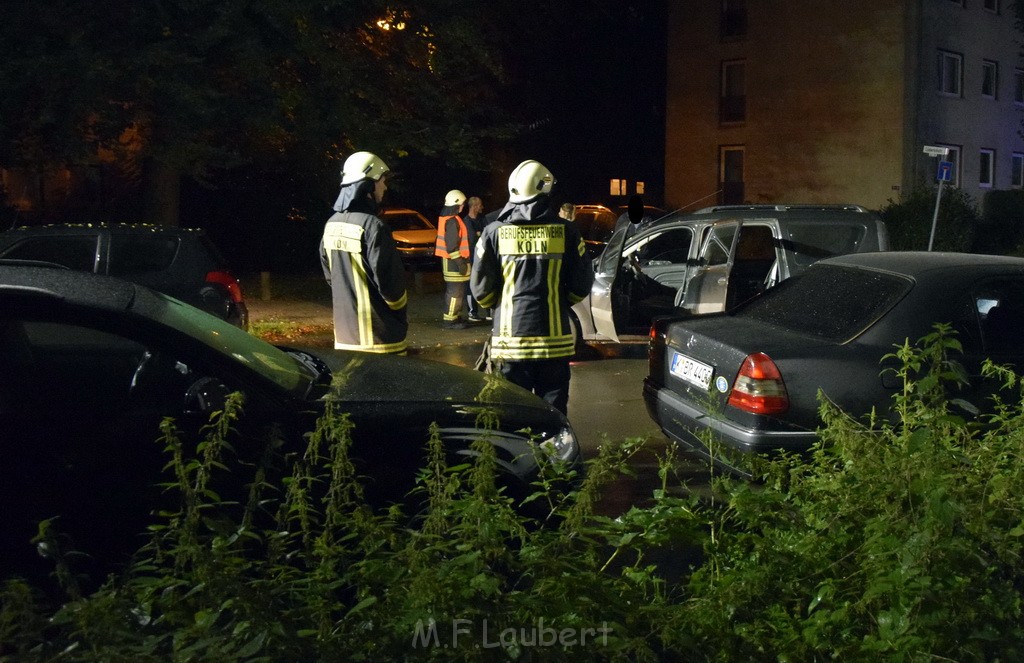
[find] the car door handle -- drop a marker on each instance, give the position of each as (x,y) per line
(722,280)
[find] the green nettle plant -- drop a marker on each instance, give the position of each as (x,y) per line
(897,538)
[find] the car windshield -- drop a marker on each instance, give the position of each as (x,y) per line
(807,242)
(270,362)
(407,221)
(829,302)
(595,226)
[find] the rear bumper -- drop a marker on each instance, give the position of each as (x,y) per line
(681,421)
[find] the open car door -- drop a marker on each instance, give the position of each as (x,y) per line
(606,268)
(707,289)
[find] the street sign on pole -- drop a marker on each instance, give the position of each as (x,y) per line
(935,216)
(936,150)
(945,172)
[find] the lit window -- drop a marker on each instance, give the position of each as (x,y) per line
(1017,174)
(989,79)
(986,168)
(950,73)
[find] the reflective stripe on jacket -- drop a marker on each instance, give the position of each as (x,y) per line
(530,268)
(367,281)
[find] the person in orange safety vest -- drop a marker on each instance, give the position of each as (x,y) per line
(453,249)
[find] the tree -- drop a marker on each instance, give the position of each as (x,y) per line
(190,87)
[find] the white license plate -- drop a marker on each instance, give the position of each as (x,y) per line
(691,370)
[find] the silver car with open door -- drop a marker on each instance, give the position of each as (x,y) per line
(713,259)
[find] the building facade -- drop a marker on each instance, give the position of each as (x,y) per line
(812,101)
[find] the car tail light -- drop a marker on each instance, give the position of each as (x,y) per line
(656,351)
(758,387)
(229,282)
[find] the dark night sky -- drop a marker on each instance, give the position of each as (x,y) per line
(607,115)
(594,97)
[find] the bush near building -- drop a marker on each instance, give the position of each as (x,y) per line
(1002,225)
(909,220)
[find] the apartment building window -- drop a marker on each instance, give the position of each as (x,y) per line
(992,5)
(732,106)
(734,19)
(986,168)
(989,79)
(1017,168)
(950,73)
(730,174)
(958,2)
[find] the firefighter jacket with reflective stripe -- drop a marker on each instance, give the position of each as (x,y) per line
(367,280)
(530,268)
(452,245)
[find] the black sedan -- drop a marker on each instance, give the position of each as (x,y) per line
(90,365)
(752,375)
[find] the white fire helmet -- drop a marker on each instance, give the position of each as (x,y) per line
(454,198)
(529,179)
(362,165)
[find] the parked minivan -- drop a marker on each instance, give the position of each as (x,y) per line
(180,262)
(712,259)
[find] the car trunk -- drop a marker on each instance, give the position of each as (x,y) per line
(722,343)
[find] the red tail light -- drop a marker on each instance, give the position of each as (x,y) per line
(758,387)
(230,283)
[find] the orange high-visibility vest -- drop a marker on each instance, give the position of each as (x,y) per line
(442,248)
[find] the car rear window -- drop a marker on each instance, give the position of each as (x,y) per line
(829,302)
(807,242)
(76,252)
(131,255)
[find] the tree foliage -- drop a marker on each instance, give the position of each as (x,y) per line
(203,84)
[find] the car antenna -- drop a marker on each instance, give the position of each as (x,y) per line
(697,201)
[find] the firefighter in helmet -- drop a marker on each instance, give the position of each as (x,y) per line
(530,268)
(453,249)
(362,265)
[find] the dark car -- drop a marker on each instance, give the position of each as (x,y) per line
(180,262)
(90,365)
(710,260)
(752,375)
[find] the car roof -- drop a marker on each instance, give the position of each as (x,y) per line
(58,228)
(813,214)
(918,263)
(716,209)
(70,286)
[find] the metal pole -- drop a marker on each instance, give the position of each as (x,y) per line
(935,217)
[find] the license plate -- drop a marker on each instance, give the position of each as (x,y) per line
(692,371)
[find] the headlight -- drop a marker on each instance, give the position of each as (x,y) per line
(562,446)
